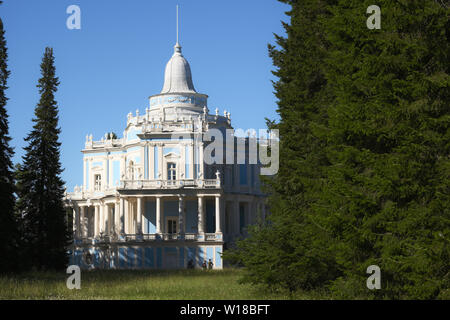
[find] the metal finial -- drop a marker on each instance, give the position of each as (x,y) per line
(177,24)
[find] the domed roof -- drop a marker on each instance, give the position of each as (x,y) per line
(178,77)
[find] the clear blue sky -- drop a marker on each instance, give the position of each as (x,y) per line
(116,61)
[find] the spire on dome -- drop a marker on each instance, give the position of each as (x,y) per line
(178,77)
(177,24)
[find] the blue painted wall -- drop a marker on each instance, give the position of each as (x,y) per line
(159,257)
(196,162)
(210,216)
(122,257)
(130,257)
(149,258)
(155,160)
(171,208)
(201,255)
(243,174)
(97,164)
(132,134)
(191,216)
(169,150)
(170,249)
(139,257)
(150,217)
(152,257)
(96,258)
(191,255)
(210,254)
(232,175)
(187,162)
(145,162)
(181,258)
(116,173)
(77,258)
(218,256)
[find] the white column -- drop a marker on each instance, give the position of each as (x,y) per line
(201,215)
(139,215)
(218,215)
(201,160)
(102,219)
(96,221)
(74,221)
(160,161)
(126,215)
(117,217)
(142,218)
(158,214)
(143,157)
(181,214)
(122,215)
(82,222)
(181,171)
(107,215)
(191,160)
(151,162)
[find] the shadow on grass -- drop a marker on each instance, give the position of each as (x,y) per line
(137,284)
(118,275)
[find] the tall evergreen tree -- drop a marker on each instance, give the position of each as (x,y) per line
(39,184)
(371,186)
(288,252)
(8,223)
(388,182)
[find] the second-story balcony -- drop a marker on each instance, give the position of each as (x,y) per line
(80,193)
(106,239)
(170,184)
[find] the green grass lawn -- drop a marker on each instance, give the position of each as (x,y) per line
(137,284)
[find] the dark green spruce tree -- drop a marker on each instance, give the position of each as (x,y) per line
(8,223)
(364,173)
(290,252)
(387,197)
(40,188)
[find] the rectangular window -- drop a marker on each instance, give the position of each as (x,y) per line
(98,182)
(171,225)
(171,171)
